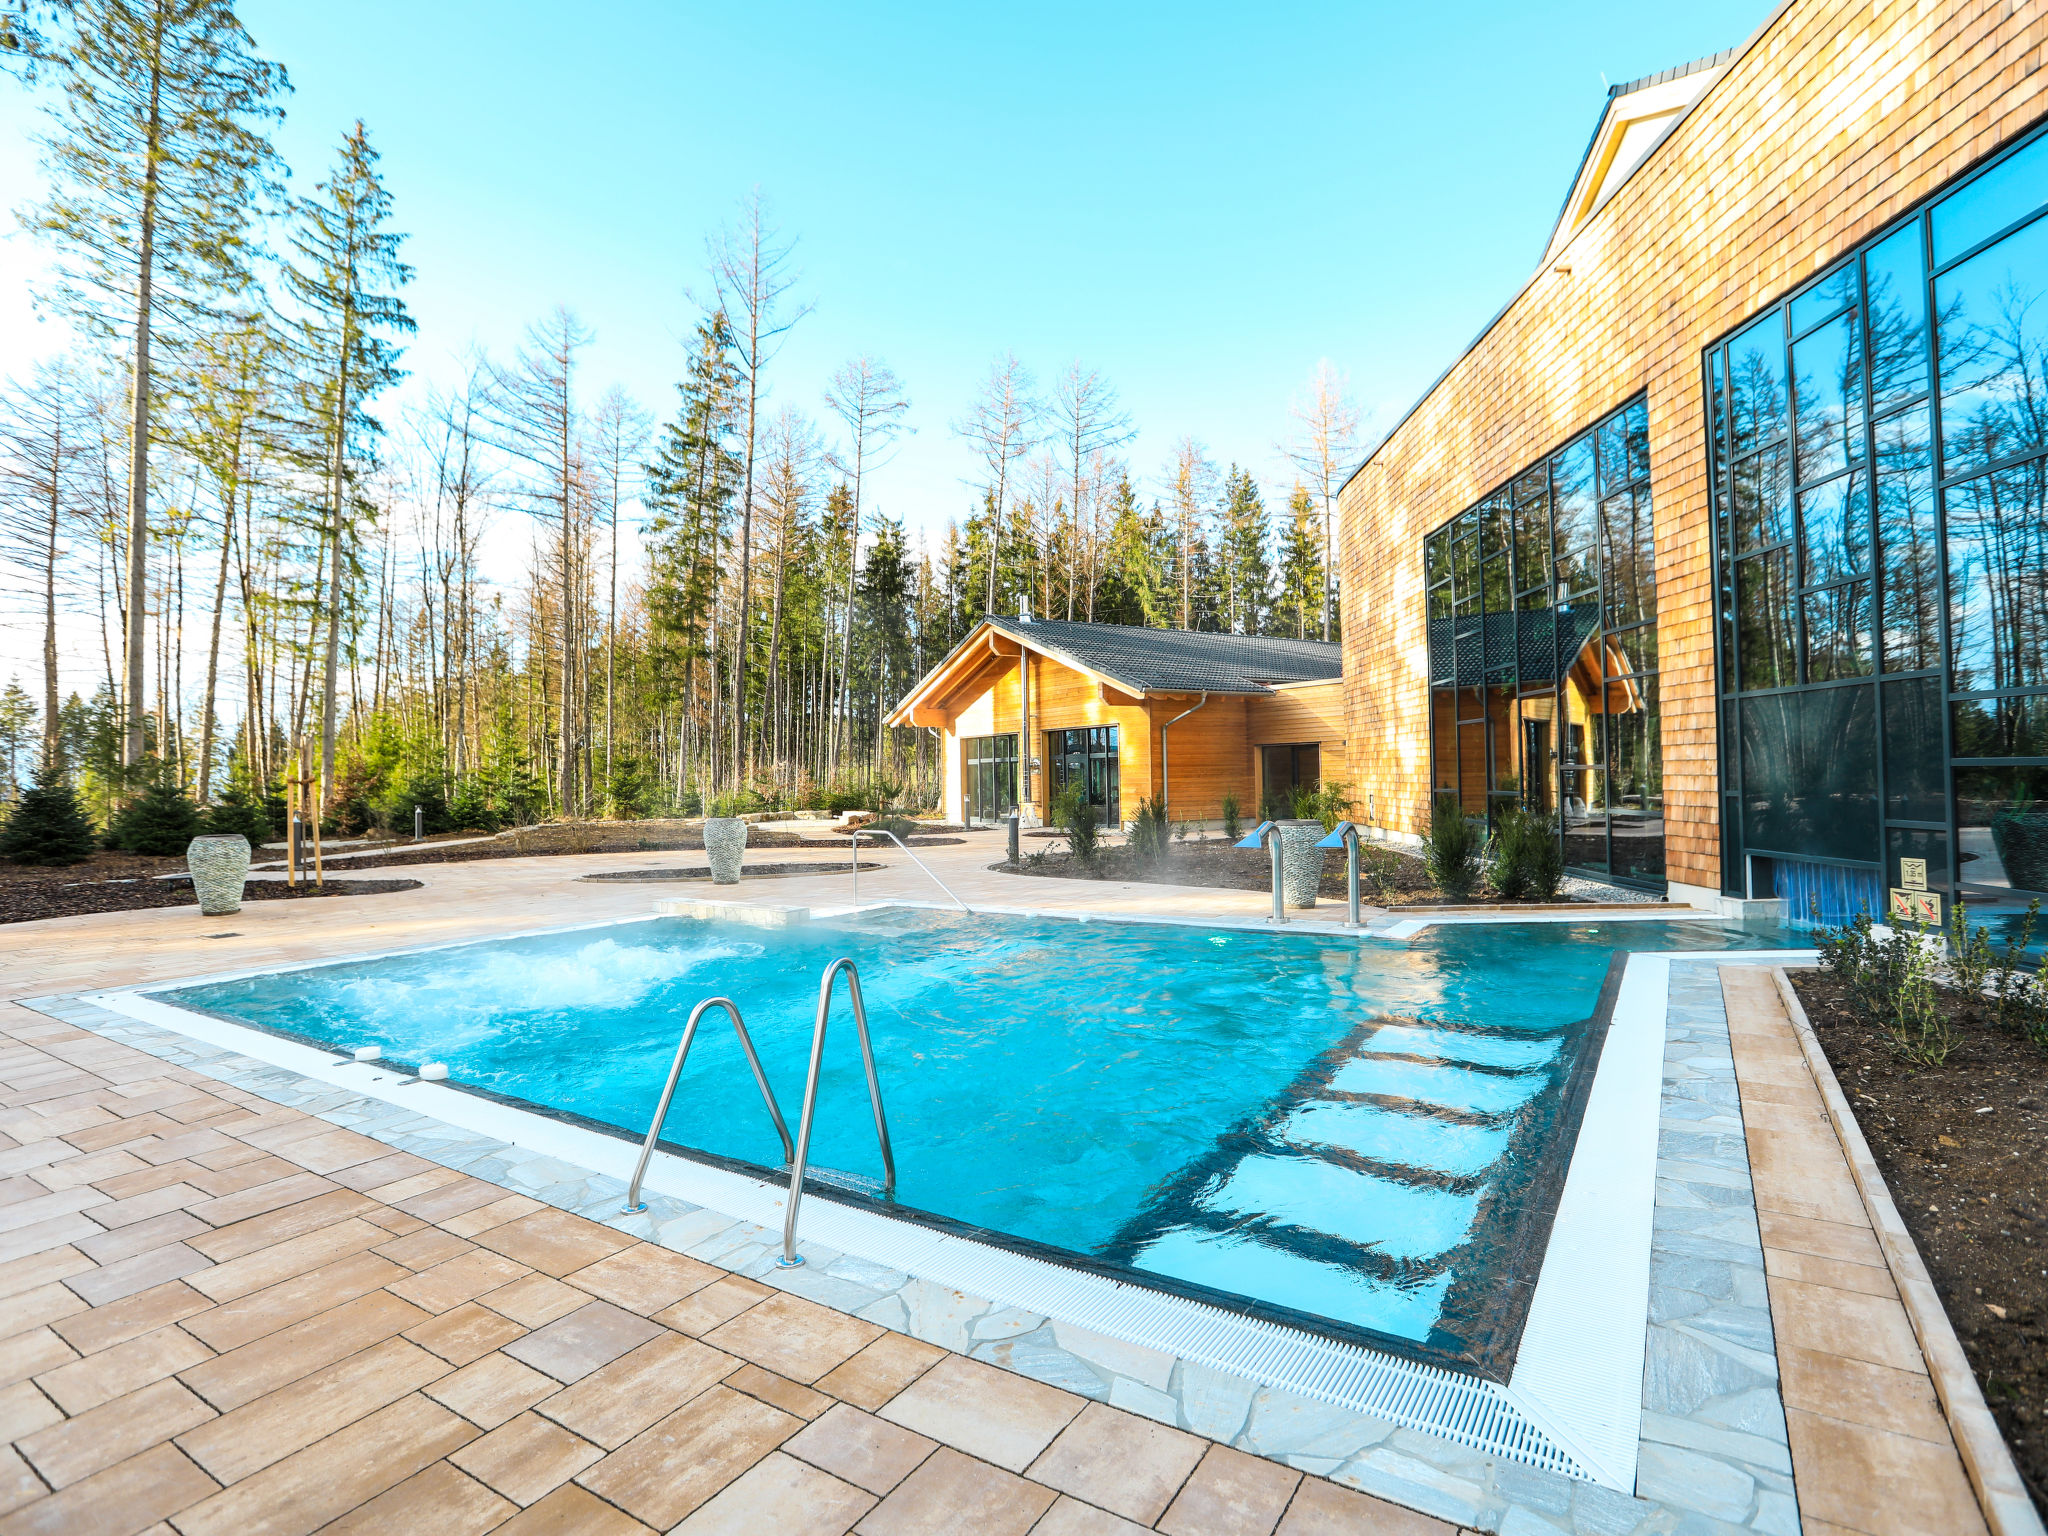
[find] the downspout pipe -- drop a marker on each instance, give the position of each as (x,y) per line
(1165,763)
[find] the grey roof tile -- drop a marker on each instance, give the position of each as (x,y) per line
(1181,660)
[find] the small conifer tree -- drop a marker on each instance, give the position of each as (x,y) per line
(161,820)
(239,809)
(48,825)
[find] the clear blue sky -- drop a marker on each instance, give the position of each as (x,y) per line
(1200,200)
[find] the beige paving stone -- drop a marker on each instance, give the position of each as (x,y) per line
(489,1391)
(115,1372)
(127,1426)
(1852,1244)
(19,1484)
(857,1446)
(526,1458)
(50,1303)
(381,1173)
(465,1333)
(277,1359)
(644,1278)
(1324,1509)
(131,1317)
(56,1263)
(677,1464)
(1862,1278)
(1118,1461)
(464,1278)
(955,1493)
(273,1227)
(881,1370)
(45,1235)
(291,1301)
(440,1500)
(125,1497)
(988,1413)
(1070,1517)
(1878,1481)
(294,1256)
(1231,1494)
(302,1492)
(784,1495)
(778,1390)
(279,1423)
(616,1401)
(139,1272)
(793,1337)
(125,1242)
(553,1242)
(424,1248)
(718,1302)
(332,1149)
(572,1511)
(571,1347)
(535,1300)
(1847,1323)
(496,1214)
(446,1198)
(24,1410)
(1861,1393)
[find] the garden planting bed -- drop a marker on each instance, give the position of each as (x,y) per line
(1401,880)
(570,838)
(126,882)
(1964,1151)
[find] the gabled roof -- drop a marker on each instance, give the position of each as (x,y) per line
(1133,660)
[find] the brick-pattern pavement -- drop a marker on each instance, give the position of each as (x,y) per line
(221,1315)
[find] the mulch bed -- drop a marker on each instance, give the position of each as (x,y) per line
(25,901)
(1964,1150)
(1221,865)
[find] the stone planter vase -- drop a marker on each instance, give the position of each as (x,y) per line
(218,865)
(1301,862)
(2021,838)
(725,845)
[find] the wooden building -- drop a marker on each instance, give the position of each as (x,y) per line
(1725,543)
(1028,707)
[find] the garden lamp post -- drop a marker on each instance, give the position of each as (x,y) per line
(1345,836)
(1267,835)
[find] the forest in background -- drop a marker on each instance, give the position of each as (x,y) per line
(277,563)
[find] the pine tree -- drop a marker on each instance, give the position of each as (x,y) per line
(158,163)
(47,826)
(346,275)
(1301,570)
(160,821)
(239,808)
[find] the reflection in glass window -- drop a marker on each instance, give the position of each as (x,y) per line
(1998,580)
(2002,828)
(1827,381)
(2003,195)
(1764,620)
(1756,384)
(1909,551)
(1834,531)
(1838,632)
(1914,768)
(1631,558)
(2014,726)
(1636,418)
(1992,333)
(1572,504)
(1763,501)
(1898,320)
(1830,296)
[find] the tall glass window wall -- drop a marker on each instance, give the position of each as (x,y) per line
(1879,442)
(1542,605)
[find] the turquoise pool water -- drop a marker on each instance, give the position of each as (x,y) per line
(1344,1128)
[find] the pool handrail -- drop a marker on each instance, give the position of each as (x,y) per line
(801,1159)
(634,1204)
(920,863)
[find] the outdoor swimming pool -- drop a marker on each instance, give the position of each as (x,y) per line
(1364,1133)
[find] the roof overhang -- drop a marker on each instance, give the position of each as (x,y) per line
(990,649)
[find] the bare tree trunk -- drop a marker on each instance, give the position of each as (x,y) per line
(220,593)
(138,424)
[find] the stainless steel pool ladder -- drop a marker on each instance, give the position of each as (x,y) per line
(634,1204)
(801,1159)
(920,863)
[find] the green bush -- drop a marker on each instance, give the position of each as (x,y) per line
(2019,996)
(239,809)
(1524,861)
(1889,982)
(627,794)
(1081,821)
(1450,851)
(1233,818)
(47,826)
(470,808)
(160,821)
(1151,833)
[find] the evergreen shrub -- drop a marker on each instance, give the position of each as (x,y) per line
(160,821)
(1450,850)
(47,826)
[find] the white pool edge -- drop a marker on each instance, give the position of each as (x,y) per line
(1578,1377)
